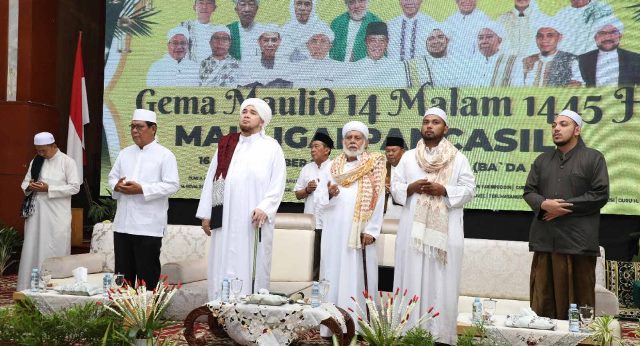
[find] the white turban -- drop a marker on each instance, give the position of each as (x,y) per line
(144,115)
(549,22)
(355,126)
(321,28)
(43,138)
(270,28)
(436,111)
(264,111)
(445,28)
(220,28)
(608,20)
(497,28)
(573,115)
(178,31)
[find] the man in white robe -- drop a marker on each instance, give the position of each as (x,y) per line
(271,68)
(174,68)
(308,181)
(408,32)
(464,24)
(47,231)
(200,30)
(491,66)
(578,20)
(303,24)
(143,177)
(520,24)
(245,31)
(319,70)
(247,177)
(353,202)
(430,242)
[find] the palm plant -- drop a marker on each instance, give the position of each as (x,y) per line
(603,331)
(9,241)
(126,17)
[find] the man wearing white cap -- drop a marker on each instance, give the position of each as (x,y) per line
(247,177)
(200,30)
(609,65)
(270,68)
(50,182)
(566,188)
(491,64)
(319,70)
(433,181)
(143,177)
(352,200)
(174,68)
(220,68)
(551,67)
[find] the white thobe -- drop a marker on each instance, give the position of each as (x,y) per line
(607,68)
(435,283)
(155,168)
(577,35)
(352,32)
(464,28)
(393,210)
(255,179)
(381,73)
(199,37)
(47,232)
(339,263)
(169,72)
(249,47)
(314,73)
(296,35)
(253,71)
(415,36)
(521,30)
(309,172)
(482,70)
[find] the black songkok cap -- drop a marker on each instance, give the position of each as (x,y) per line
(319,136)
(395,142)
(377,28)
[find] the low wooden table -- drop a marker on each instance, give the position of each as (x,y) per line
(239,310)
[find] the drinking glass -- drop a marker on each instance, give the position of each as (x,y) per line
(235,287)
(488,309)
(586,316)
(45,276)
(325,285)
(118,279)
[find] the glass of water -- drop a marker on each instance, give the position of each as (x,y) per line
(235,287)
(325,285)
(586,316)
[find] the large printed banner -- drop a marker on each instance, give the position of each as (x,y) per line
(501,72)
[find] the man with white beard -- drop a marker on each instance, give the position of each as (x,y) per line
(433,181)
(353,204)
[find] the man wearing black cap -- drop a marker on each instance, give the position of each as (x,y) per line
(376,70)
(321,145)
(393,150)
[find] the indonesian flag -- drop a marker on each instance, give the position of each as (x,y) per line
(78,113)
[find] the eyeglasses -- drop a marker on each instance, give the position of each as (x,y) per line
(609,32)
(138,127)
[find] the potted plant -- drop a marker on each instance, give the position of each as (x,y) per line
(141,310)
(9,241)
(102,209)
(603,331)
(387,318)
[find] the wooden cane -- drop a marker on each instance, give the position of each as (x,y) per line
(366,281)
(256,239)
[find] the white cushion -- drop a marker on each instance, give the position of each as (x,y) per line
(292,255)
(385,247)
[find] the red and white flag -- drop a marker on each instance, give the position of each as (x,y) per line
(78,113)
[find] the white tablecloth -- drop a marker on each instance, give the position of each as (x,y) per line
(51,301)
(501,334)
(271,325)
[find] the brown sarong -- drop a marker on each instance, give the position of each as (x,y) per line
(558,280)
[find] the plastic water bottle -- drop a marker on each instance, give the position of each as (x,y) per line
(574,318)
(315,294)
(225,290)
(476,314)
(35,280)
(106,284)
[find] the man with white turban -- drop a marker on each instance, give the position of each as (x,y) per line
(174,68)
(492,65)
(50,182)
(352,199)
(270,68)
(566,188)
(579,19)
(143,177)
(220,68)
(319,70)
(433,181)
(609,65)
(246,180)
